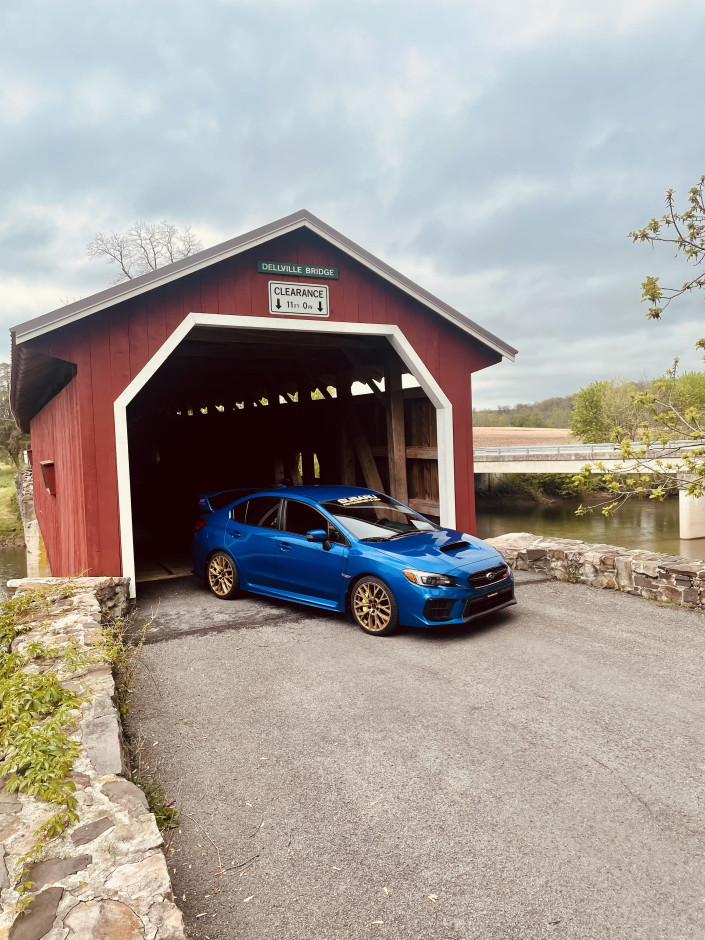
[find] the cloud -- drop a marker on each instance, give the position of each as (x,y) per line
(497,154)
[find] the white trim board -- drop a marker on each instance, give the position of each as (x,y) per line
(440,401)
(298,220)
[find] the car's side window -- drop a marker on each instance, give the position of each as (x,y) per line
(260,511)
(301,518)
(239,513)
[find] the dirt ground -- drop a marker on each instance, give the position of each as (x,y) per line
(517,437)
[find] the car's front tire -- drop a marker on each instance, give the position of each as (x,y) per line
(374,607)
(222,577)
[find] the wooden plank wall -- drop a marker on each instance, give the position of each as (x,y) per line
(55,436)
(111,347)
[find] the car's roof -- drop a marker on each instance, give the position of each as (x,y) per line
(319,494)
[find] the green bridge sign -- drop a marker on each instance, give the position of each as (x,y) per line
(298,270)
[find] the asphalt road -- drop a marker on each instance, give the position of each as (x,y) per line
(537,776)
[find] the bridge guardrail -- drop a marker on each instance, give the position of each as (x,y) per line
(568,449)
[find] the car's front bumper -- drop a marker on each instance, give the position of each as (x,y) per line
(432,607)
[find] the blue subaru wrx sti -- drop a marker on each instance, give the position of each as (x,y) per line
(342,547)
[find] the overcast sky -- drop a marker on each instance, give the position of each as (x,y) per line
(495,151)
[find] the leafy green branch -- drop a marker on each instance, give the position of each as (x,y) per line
(669,457)
(38,715)
(685,230)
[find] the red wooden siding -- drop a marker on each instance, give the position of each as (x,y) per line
(55,433)
(110,348)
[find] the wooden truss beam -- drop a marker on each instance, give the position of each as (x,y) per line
(396,441)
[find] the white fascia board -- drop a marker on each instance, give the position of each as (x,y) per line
(408,289)
(346,248)
(129,293)
(441,402)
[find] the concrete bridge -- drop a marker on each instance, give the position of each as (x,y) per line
(570,458)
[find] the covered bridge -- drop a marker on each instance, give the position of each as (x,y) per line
(234,367)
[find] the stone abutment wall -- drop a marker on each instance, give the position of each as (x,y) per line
(666,578)
(37,564)
(106,877)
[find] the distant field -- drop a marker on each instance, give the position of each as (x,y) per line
(516,437)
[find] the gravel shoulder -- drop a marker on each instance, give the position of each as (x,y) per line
(536,776)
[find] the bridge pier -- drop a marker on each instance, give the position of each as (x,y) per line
(482,482)
(691,515)
(570,458)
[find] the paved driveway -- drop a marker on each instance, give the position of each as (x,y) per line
(539,776)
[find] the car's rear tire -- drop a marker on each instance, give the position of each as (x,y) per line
(374,607)
(222,577)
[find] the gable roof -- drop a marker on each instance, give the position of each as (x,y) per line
(301,219)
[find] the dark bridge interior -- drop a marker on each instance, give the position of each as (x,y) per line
(234,408)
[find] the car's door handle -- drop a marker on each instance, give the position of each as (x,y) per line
(285,546)
(234,533)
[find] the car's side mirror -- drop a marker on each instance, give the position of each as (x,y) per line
(318,535)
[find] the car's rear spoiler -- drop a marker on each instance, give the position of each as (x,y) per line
(221,498)
(204,504)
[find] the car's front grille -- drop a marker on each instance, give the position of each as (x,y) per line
(488,576)
(487,602)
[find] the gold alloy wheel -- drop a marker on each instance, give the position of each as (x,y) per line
(221,575)
(372,606)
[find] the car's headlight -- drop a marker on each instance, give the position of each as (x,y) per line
(428,578)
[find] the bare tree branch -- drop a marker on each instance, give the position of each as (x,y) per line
(144,247)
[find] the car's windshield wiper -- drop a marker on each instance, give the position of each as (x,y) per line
(397,535)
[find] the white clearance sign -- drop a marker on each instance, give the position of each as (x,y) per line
(300,300)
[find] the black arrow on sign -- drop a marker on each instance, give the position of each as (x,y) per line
(279,303)
(320,306)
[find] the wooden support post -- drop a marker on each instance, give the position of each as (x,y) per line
(364,376)
(363,450)
(348,475)
(396,440)
(308,472)
(292,465)
(274,417)
(304,435)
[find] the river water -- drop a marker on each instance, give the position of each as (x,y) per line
(13,564)
(640,523)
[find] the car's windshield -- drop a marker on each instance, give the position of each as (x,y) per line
(375,518)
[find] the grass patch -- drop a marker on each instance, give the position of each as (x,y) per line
(537,487)
(11,532)
(165,813)
(37,718)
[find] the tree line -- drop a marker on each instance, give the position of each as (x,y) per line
(613,409)
(549,413)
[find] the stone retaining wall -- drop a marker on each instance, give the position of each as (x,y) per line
(668,578)
(37,563)
(106,877)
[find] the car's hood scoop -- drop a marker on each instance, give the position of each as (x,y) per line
(454,546)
